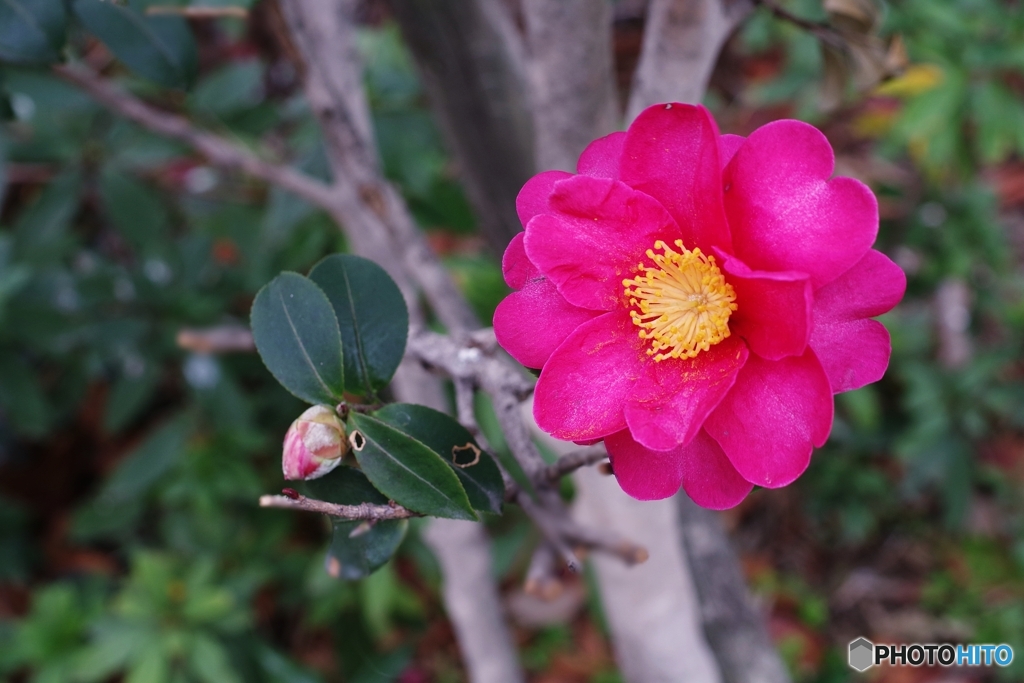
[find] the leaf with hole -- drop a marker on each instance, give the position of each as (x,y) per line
(160,48)
(31,31)
(372,317)
(406,470)
(357,549)
(440,433)
(297,337)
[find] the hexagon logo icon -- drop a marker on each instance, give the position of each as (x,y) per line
(862,653)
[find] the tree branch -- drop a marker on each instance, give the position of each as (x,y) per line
(471,61)
(363,511)
(216,149)
(682,39)
(574,97)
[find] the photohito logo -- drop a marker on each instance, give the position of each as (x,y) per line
(864,654)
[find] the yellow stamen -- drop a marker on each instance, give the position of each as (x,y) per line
(682,304)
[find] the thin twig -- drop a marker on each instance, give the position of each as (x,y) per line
(363,511)
(575,460)
(199,12)
(216,149)
(823,32)
(221,339)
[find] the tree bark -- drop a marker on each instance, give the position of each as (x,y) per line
(571,77)
(471,61)
(682,39)
(735,630)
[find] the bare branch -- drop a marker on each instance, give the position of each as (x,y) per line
(472,601)
(472,63)
(216,149)
(575,460)
(734,629)
(682,39)
(235,12)
(574,97)
(220,339)
(363,511)
(370,210)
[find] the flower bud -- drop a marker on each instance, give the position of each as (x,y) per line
(314,444)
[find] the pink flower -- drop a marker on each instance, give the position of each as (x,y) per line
(695,300)
(314,444)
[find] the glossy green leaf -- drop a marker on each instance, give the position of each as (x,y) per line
(372,317)
(297,336)
(357,549)
(31,31)
(406,470)
(476,469)
(160,48)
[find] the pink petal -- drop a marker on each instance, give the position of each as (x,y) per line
(596,234)
(642,473)
(585,382)
(533,198)
(775,415)
(853,353)
(709,479)
(727,146)
(516,265)
(873,286)
(669,404)
(601,157)
(773,309)
(532,322)
(785,213)
(700,467)
(671,153)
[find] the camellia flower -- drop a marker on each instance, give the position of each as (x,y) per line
(696,299)
(314,444)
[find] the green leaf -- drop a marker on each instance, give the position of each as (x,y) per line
(135,209)
(456,446)
(210,661)
(297,336)
(406,470)
(147,464)
(372,316)
(356,550)
(128,397)
(31,31)
(160,48)
(21,397)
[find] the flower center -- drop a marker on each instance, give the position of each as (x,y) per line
(682,304)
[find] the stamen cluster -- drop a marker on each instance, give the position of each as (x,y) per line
(682,304)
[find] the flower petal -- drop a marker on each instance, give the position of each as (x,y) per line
(775,415)
(585,382)
(642,473)
(727,146)
(597,232)
(709,479)
(671,153)
(785,213)
(601,157)
(701,467)
(531,323)
(773,309)
(873,286)
(669,404)
(516,265)
(852,353)
(855,351)
(533,198)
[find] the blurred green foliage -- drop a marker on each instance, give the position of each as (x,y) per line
(139,463)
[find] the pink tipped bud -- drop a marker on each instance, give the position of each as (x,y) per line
(314,444)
